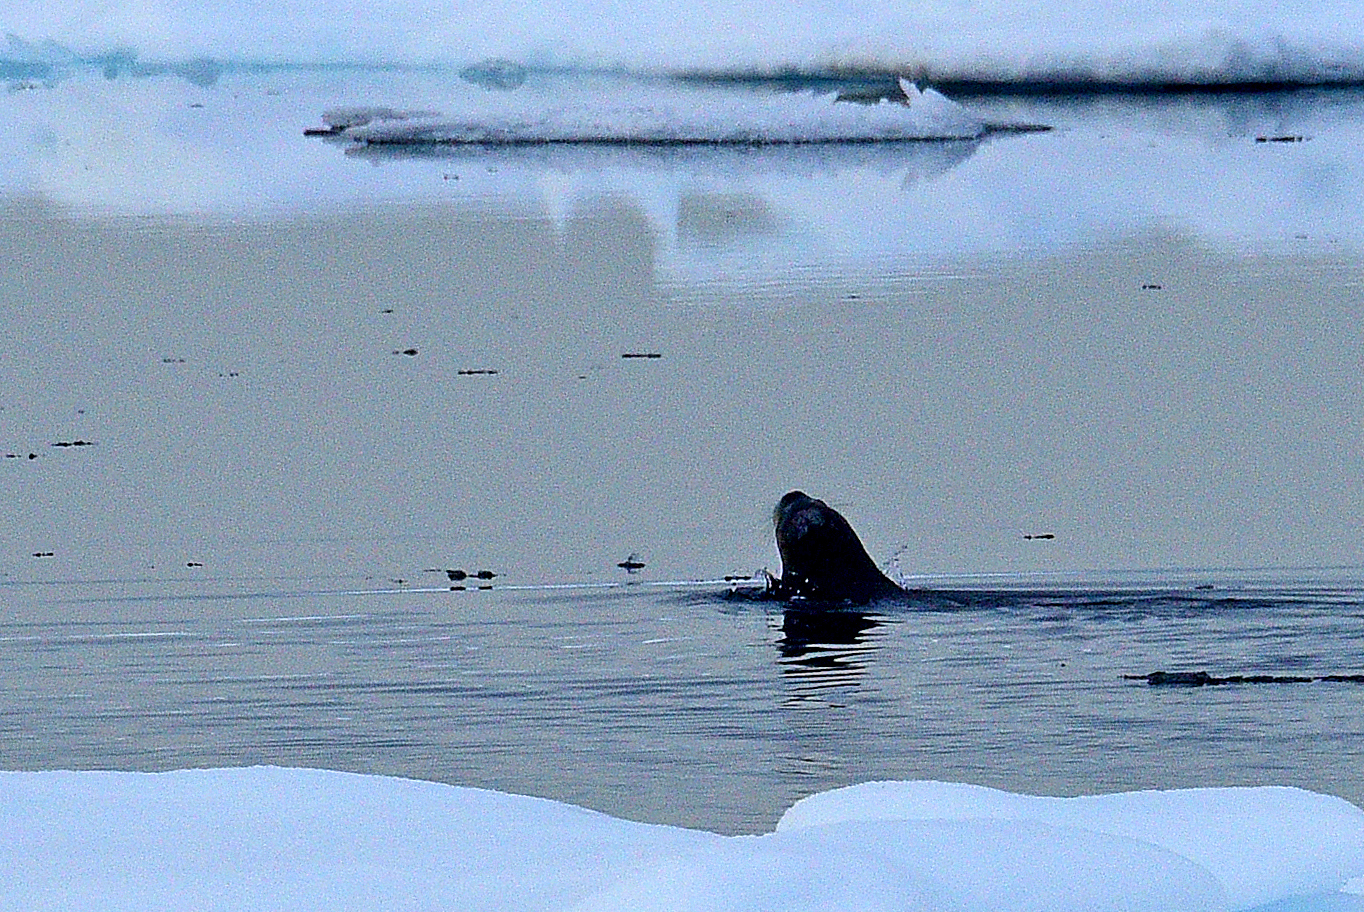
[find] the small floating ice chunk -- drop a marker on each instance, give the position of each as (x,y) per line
(341,119)
(932,107)
(667,116)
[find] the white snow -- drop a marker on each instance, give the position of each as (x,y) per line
(637,115)
(288,839)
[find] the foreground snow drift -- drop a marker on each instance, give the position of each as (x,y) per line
(268,838)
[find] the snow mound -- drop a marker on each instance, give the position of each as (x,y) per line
(283,839)
(1258,844)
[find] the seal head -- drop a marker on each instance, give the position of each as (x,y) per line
(822,558)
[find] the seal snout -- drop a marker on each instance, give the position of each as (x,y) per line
(786,504)
(795,513)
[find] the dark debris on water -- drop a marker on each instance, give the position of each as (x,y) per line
(457,575)
(1204,679)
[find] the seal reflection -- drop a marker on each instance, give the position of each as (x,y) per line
(821,650)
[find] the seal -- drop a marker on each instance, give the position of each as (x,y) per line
(822,558)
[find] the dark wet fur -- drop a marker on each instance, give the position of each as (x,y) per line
(822,558)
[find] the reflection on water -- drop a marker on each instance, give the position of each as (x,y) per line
(1113,167)
(1148,399)
(916,161)
(689,706)
(824,650)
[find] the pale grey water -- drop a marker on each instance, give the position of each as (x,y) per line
(1138,333)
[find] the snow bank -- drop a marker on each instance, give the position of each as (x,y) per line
(1258,844)
(277,839)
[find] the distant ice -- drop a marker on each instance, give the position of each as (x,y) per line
(289,839)
(497,42)
(669,115)
(118,111)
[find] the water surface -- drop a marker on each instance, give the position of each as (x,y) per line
(253,406)
(685,705)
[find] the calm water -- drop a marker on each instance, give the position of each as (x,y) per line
(311,381)
(684,705)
